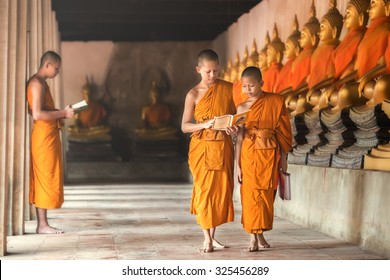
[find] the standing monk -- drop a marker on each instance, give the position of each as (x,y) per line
(46,174)
(211,153)
(267,133)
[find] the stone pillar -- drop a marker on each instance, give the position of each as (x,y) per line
(20,121)
(4,10)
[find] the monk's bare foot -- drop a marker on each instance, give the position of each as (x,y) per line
(262,242)
(218,244)
(49,230)
(207,247)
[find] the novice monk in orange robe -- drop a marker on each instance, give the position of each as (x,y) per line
(210,155)
(46,174)
(266,134)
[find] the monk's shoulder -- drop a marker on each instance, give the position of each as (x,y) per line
(276,98)
(225,83)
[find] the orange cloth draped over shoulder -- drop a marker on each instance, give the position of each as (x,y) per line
(373,45)
(345,54)
(267,131)
(321,65)
(157,115)
(238,95)
(284,78)
(93,115)
(46,173)
(270,77)
(210,160)
(301,67)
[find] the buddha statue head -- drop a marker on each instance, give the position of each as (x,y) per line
(356,14)
(227,72)
(379,8)
(309,34)
(275,48)
(292,46)
(234,73)
(154,94)
(253,59)
(331,24)
(263,62)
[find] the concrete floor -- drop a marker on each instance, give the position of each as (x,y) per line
(152,222)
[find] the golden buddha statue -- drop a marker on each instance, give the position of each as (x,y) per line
(244,61)
(275,51)
(156,119)
(227,72)
(90,124)
(253,59)
(368,61)
(292,50)
(322,68)
(238,95)
(263,62)
(309,40)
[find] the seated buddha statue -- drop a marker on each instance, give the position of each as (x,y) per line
(296,100)
(156,119)
(292,49)
(275,51)
(238,96)
(375,84)
(368,60)
(253,59)
(322,69)
(344,56)
(90,124)
(227,72)
(263,62)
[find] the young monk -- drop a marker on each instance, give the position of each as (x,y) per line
(210,155)
(266,133)
(46,174)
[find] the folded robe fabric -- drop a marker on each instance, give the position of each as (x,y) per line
(210,160)
(46,173)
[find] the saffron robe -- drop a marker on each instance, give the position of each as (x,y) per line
(373,45)
(301,68)
(284,80)
(321,66)
(270,77)
(345,53)
(267,132)
(46,173)
(210,159)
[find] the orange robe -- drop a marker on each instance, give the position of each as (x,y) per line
(284,78)
(93,115)
(373,45)
(210,159)
(267,131)
(345,53)
(46,174)
(270,77)
(321,65)
(157,115)
(301,67)
(238,95)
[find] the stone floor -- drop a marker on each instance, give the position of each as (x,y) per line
(152,222)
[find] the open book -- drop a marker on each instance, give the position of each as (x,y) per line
(222,122)
(80,106)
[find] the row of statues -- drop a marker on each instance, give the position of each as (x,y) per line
(323,76)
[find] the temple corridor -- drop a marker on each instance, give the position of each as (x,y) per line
(151,221)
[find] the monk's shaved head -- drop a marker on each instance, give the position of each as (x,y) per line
(50,56)
(208,55)
(253,72)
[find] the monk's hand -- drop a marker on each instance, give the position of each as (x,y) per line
(232,130)
(208,124)
(69,112)
(239,174)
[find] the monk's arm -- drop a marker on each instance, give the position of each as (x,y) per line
(240,137)
(187,126)
(284,137)
(38,113)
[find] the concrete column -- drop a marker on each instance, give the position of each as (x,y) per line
(11,79)
(4,10)
(20,121)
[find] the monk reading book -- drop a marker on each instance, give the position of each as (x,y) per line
(80,106)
